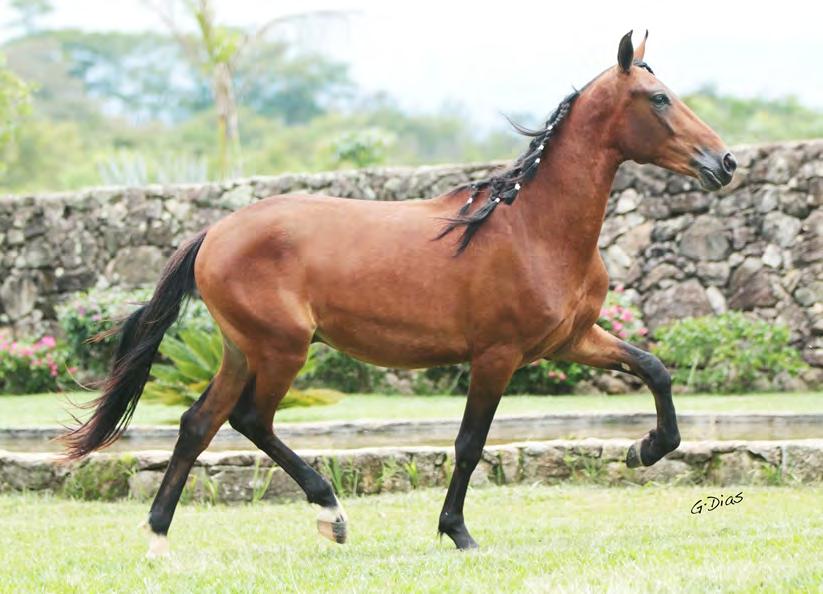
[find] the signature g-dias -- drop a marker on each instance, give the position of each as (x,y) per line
(712,503)
(498,273)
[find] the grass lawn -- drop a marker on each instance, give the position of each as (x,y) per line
(49,409)
(533,539)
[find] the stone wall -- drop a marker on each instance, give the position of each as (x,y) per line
(679,251)
(248,476)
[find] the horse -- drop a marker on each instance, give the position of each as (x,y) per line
(387,283)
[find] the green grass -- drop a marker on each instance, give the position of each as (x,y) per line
(49,409)
(533,539)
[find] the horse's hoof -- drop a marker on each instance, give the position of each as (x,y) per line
(633,459)
(331,523)
(158,547)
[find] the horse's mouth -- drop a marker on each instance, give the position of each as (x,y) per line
(708,180)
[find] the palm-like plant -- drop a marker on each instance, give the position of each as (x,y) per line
(194,357)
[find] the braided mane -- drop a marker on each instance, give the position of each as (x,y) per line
(504,186)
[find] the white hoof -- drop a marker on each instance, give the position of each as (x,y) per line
(331,523)
(158,547)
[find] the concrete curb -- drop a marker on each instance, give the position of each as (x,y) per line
(340,434)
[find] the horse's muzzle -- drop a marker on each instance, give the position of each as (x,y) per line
(714,170)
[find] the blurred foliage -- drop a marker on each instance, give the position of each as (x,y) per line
(14,104)
(739,120)
(88,313)
(132,108)
(362,148)
(727,353)
(122,108)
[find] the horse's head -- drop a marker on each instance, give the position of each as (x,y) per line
(651,125)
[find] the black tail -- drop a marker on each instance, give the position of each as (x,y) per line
(140,337)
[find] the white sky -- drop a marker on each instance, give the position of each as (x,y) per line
(519,56)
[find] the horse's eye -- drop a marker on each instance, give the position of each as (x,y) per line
(660,99)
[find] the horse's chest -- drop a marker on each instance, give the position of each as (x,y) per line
(555,315)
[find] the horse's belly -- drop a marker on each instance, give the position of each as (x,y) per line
(393,344)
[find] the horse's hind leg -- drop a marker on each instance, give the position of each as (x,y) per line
(253,415)
(600,349)
(197,428)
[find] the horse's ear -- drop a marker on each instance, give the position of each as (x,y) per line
(625,53)
(641,49)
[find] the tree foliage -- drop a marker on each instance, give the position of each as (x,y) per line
(126,108)
(14,104)
(740,120)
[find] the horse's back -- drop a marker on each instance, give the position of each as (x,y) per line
(366,276)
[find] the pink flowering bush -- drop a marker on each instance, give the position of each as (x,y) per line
(31,367)
(621,318)
(547,377)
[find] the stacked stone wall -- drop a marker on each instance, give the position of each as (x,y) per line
(756,246)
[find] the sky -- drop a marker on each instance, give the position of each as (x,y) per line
(522,57)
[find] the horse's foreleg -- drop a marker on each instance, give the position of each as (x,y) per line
(600,349)
(489,376)
(197,428)
(252,416)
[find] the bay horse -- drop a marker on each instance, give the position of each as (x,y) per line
(385,283)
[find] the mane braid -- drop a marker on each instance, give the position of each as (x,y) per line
(504,186)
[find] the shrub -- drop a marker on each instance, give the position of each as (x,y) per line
(194,357)
(88,313)
(336,370)
(547,377)
(30,367)
(726,353)
(621,318)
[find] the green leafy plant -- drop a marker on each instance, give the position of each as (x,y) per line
(388,471)
(260,481)
(344,480)
(333,369)
(28,367)
(101,479)
(413,473)
(363,147)
(448,469)
(727,353)
(194,357)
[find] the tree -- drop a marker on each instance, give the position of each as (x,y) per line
(739,119)
(30,12)
(14,104)
(216,50)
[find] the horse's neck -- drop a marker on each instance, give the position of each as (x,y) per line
(564,205)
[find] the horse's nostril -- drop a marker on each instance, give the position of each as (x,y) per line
(729,163)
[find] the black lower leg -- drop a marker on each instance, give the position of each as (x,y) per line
(194,427)
(468,450)
(246,419)
(666,436)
